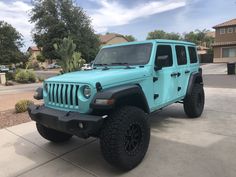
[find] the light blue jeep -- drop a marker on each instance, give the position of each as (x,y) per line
(112,100)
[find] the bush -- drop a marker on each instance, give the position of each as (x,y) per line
(22,105)
(25,76)
(10,76)
(9,83)
(32,64)
(40,79)
(32,76)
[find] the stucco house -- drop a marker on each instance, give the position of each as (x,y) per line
(224,46)
(34,52)
(112,38)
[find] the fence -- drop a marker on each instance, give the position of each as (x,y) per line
(206,58)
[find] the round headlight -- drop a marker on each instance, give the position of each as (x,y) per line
(87,91)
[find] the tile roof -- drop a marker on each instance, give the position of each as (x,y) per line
(227,23)
(107,37)
(33,48)
(224,43)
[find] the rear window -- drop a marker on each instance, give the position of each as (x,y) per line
(192,54)
(181,55)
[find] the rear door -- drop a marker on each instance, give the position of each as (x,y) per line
(165,82)
(182,69)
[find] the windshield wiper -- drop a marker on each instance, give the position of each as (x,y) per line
(120,63)
(100,64)
(125,64)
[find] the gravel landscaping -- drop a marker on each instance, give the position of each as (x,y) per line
(9,118)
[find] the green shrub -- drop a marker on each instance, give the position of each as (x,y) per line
(25,76)
(22,77)
(22,105)
(31,75)
(10,76)
(40,79)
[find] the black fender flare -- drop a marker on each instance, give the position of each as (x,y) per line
(194,78)
(117,93)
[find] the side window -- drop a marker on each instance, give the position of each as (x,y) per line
(164,56)
(181,55)
(192,54)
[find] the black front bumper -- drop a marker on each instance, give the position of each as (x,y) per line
(67,122)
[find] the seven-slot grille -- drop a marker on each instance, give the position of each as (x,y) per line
(63,95)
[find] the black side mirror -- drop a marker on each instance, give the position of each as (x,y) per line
(157,68)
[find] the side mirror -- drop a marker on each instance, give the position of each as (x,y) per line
(157,68)
(160,62)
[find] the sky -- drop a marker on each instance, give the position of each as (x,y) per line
(132,17)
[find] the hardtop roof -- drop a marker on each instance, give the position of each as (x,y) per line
(152,41)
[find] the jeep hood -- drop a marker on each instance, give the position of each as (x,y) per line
(105,77)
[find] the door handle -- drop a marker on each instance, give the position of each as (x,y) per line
(174,74)
(187,71)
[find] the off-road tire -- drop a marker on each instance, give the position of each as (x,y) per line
(194,103)
(124,139)
(52,135)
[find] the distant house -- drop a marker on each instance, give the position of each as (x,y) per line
(112,38)
(34,52)
(224,46)
(211,34)
(202,50)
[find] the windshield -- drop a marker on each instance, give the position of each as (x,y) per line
(137,54)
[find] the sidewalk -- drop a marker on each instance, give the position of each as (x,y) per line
(179,147)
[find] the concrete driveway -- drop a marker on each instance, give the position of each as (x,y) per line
(179,147)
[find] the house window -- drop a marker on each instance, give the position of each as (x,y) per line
(222,31)
(229,52)
(230,30)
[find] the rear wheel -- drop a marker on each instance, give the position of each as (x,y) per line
(52,135)
(194,103)
(125,137)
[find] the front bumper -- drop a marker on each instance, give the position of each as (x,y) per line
(67,122)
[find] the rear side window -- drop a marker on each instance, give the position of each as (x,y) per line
(192,54)
(181,55)
(164,56)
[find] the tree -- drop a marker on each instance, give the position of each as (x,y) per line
(40,58)
(130,38)
(10,44)
(160,34)
(199,37)
(70,60)
(57,19)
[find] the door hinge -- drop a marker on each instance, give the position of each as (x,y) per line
(179,88)
(155,79)
(156,96)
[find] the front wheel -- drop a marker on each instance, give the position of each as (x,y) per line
(124,139)
(52,135)
(194,103)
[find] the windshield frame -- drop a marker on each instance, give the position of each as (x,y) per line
(124,45)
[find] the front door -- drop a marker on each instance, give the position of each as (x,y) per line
(165,77)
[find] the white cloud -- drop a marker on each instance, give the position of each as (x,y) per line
(16,14)
(112,13)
